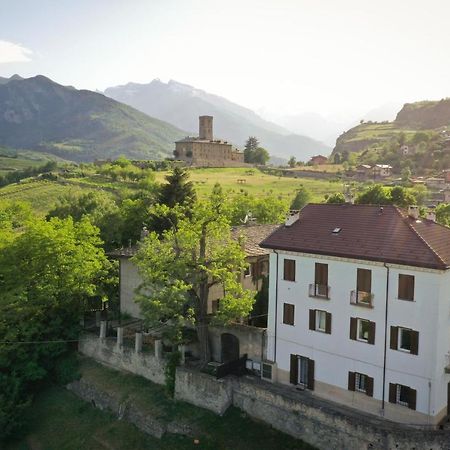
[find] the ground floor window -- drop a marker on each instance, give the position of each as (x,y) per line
(302,371)
(360,382)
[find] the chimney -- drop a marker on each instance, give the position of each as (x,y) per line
(413,212)
(293,216)
(205,130)
(431,215)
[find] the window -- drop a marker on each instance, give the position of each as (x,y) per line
(406,287)
(360,382)
(362,330)
(402,395)
(320,321)
(321,280)
(288,314)
(289,270)
(215,306)
(405,339)
(363,293)
(302,371)
(248,271)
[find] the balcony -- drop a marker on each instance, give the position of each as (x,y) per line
(319,291)
(361,298)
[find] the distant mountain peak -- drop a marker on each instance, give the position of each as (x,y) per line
(181,104)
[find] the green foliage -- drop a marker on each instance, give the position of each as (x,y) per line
(338,197)
(170,370)
(292,161)
(380,195)
(179,268)
(302,198)
(66,369)
(443,214)
(62,266)
(178,190)
(16,176)
(253,153)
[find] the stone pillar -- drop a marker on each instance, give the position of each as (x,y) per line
(119,338)
(98,315)
(158,349)
(138,343)
(103,329)
(182,350)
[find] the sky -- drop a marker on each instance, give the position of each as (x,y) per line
(335,58)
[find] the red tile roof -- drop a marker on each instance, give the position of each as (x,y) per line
(368,233)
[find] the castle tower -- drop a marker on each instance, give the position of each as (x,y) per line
(205,128)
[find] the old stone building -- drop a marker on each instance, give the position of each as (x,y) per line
(205,151)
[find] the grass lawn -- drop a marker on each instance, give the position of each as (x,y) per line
(58,420)
(256,183)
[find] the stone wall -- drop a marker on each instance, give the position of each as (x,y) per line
(109,353)
(301,414)
(252,341)
(203,390)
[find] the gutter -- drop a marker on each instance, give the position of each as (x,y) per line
(276,312)
(385,339)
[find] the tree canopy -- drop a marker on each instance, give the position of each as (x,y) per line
(180,267)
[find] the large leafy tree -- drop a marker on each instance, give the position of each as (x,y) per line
(48,271)
(302,198)
(180,267)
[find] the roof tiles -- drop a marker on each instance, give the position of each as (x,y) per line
(368,232)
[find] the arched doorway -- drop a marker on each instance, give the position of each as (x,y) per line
(230,347)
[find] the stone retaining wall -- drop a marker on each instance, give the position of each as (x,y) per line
(301,414)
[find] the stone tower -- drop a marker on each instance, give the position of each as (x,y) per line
(206,128)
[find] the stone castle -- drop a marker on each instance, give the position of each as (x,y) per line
(205,151)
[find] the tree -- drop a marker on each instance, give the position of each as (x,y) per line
(302,198)
(402,197)
(99,207)
(251,144)
(292,161)
(406,174)
(180,267)
(337,158)
(375,195)
(178,190)
(261,156)
(443,214)
(337,197)
(48,273)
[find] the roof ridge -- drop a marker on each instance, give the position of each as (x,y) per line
(421,238)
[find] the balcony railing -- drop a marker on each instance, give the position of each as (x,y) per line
(319,290)
(361,298)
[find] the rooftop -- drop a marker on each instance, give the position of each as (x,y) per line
(253,235)
(366,232)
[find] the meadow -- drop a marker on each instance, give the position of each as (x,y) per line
(43,194)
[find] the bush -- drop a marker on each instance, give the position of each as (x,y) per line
(66,369)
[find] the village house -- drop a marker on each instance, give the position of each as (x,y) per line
(205,151)
(382,170)
(359,309)
(318,160)
(257,258)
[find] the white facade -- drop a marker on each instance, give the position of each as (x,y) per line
(335,354)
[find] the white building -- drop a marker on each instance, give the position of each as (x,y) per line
(359,309)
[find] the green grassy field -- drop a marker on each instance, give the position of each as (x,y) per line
(23,159)
(257,183)
(58,420)
(44,194)
(41,194)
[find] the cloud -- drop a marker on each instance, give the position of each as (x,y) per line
(11,53)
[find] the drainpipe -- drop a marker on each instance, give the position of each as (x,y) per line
(276,313)
(263,334)
(385,338)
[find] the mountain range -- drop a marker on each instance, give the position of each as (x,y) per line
(80,125)
(181,104)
